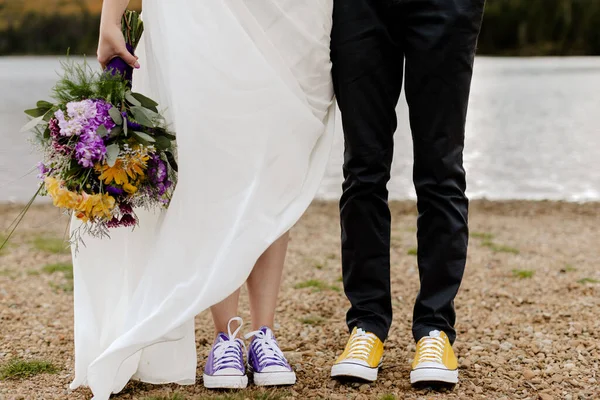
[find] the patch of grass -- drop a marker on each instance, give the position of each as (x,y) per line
(316,285)
(319,265)
(62,287)
(9,273)
(413,251)
(498,248)
(243,395)
(522,273)
(312,320)
(33,272)
(51,245)
(396,237)
(20,369)
(67,271)
(588,280)
(174,396)
(388,397)
(65,268)
(340,279)
(2,239)
(569,268)
(482,235)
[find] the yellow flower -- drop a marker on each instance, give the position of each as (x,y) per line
(61,197)
(103,206)
(129,188)
(116,173)
(87,207)
(66,199)
(52,185)
(97,206)
(137,162)
(130,166)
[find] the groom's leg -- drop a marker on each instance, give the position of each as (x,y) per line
(367,75)
(441,36)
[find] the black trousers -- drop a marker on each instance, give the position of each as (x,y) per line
(431,43)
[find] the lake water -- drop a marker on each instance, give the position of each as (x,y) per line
(533,130)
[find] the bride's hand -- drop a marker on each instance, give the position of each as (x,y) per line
(112,44)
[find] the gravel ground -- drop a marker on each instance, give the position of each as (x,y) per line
(527,312)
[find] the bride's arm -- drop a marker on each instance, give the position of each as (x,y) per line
(112,42)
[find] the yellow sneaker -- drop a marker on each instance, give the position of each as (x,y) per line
(435,362)
(361,358)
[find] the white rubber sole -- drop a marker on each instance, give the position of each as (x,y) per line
(225,381)
(424,375)
(274,378)
(356,371)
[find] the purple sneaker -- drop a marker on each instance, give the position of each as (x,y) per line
(266,360)
(225,365)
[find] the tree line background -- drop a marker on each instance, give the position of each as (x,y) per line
(510,27)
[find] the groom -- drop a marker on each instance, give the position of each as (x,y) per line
(431,44)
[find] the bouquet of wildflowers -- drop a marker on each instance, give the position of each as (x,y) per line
(107,150)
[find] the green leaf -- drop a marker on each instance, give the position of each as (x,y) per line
(164,133)
(144,117)
(172,161)
(146,102)
(114,132)
(49,114)
(46,134)
(132,100)
(162,143)
(44,105)
(116,116)
(112,152)
(102,131)
(36,112)
(32,124)
(145,138)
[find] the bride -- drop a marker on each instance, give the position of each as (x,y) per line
(246,85)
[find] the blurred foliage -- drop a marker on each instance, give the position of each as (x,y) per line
(511,27)
(541,27)
(50,26)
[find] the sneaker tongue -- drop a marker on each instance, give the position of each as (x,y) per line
(268,332)
(221,337)
(434,334)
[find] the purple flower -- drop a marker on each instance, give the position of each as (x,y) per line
(125,208)
(158,174)
(115,191)
(81,110)
(43,170)
(134,126)
(56,137)
(102,117)
(126,220)
(157,169)
(89,150)
(54,128)
(69,127)
(113,223)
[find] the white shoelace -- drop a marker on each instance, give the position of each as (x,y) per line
(267,350)
(432,348)
(361,345)
(227,353)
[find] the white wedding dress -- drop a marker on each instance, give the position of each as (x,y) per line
(247,87)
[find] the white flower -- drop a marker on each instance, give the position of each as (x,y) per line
(72,127)
(85,109)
